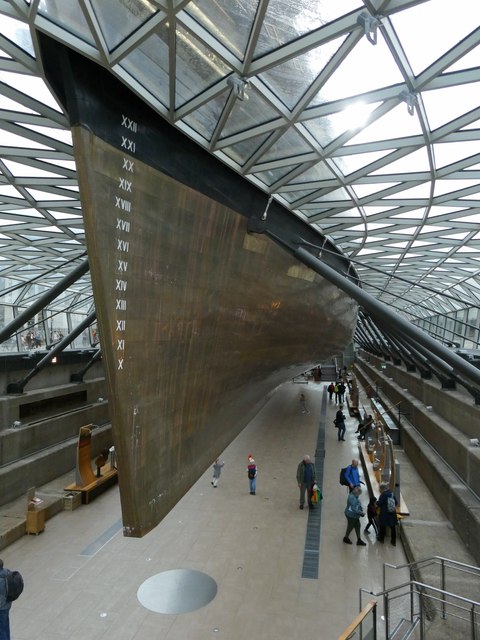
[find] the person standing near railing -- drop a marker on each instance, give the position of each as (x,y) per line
(387,504)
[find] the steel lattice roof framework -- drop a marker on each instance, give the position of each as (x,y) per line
(363,118)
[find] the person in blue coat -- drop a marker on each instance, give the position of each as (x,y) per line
(4,605)
(353,513)
(387,504)
(352,475)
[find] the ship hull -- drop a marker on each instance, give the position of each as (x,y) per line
(198,319)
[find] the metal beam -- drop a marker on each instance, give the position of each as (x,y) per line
(42,301)
(388,317)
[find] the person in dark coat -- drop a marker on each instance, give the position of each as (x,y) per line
(4,604)
(306,478)
(372,515)
(364,427)
(387,517)
(340,423)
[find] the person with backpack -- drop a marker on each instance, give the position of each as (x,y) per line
(387,504)
(352,475)
(335,391)
(7,596)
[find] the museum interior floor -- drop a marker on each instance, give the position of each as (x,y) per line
(82,576)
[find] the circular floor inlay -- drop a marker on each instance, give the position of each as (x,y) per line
(177,591)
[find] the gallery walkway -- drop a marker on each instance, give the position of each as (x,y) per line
(82,575)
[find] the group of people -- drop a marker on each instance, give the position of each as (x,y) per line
(338,390)
(251,474)
(381,513)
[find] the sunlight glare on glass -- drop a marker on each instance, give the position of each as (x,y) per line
(353,117)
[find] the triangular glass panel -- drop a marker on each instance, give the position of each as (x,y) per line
(363,190)
(289,145)
(396,123)
(364,69)
(287,21)
(290,80)
(26,171)
(409,163)
(198,66)
(249,113)
(33,88)
(274,175)
(452,186)
(354,162)
(418,191)
(222,17)
(447,153)
(469,61)
(118,20)
(448,103)
(318,172)
(148,64)
(332,126)
(18,33)
(69,16)
(242,151)
(423,22)
(205,118)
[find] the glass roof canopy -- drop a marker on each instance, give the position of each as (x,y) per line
(363,118)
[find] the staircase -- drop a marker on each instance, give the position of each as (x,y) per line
(329,372)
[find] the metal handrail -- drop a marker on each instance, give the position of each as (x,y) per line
(432,560)
(472,605)
(444,563)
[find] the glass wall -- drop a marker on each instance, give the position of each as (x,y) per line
(460,329)
(49,325)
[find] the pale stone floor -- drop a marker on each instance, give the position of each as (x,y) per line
(82,575)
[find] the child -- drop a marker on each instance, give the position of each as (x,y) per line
(372,515)
(217,469)
(303,404)
(252,474)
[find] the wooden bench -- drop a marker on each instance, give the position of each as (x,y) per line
(88,484)
(95,488)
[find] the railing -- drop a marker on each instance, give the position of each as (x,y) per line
(364,626)
(417,604)
(461,578)
(464,614)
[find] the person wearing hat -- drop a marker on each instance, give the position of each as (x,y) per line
(252,474)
